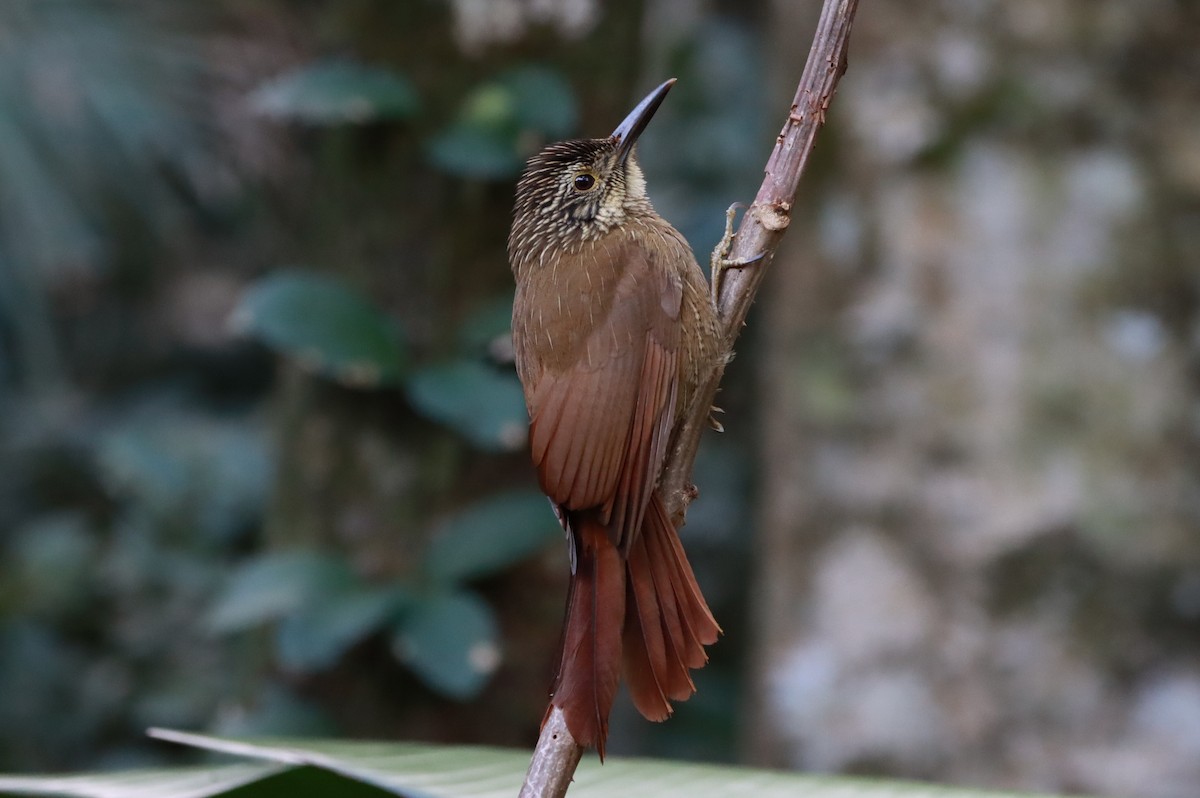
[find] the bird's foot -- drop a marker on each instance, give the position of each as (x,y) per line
(720,256)
(712,419)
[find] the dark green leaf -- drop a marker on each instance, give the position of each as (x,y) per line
(315,636)
(324,325)
(542,101)
(308,781)
(449,640)
(489,323)
(500,122)
(39,670)
(490,105)
(275,710)
(476,151)
(491,535)
(481,402)
(54,556)
(275,585)
(336,91)
(176,462)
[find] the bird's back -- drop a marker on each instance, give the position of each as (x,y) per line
(568,296)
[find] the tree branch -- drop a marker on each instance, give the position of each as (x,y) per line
(762,228)
(764,224)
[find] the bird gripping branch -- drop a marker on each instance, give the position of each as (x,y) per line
(614,332)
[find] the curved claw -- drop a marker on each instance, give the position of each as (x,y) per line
(720,256)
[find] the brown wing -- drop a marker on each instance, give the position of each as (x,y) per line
(601,418)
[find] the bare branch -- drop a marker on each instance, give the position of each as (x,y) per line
(762,228)
(554,760)
(764,224)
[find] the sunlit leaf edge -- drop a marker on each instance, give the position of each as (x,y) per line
(180,782)
(422,770)
(419,770)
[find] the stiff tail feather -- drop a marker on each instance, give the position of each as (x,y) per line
(591,654)
(644,617)
(667,622)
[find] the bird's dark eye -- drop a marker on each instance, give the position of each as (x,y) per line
(584,182)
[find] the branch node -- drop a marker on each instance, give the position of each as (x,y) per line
(773,217)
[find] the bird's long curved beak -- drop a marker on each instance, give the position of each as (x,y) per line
(626,134)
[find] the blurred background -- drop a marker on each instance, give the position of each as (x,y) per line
(262,453)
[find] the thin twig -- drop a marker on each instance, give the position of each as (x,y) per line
(757,238)
(764,224)
(554,760)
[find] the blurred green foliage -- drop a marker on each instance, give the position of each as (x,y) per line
(320,607)
(154,181)
(336,91)
(103,583)
(324,326)
(328,328)
(483,404)
(99,128)
(497,119)
(466,546)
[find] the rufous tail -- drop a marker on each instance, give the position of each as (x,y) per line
(591,648)
(644,617)
(667,622)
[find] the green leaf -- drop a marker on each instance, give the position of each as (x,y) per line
(275,585)
(258,780)
(307,781)
(491,535)
(489,105)
(471,150)
(490,321)
(274,709)
(420,770)
(542,100)
(449,640)
(336,91)
(325,326)
(502,121)
(315,637)
(195,782)
(54,557)
(482,403)
(177,462)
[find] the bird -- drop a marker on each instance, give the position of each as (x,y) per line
(614,332)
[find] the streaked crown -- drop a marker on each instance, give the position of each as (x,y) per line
(580,190)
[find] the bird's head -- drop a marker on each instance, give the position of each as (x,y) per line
(581,189)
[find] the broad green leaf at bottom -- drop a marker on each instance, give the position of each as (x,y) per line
(198,782)
(418,770)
